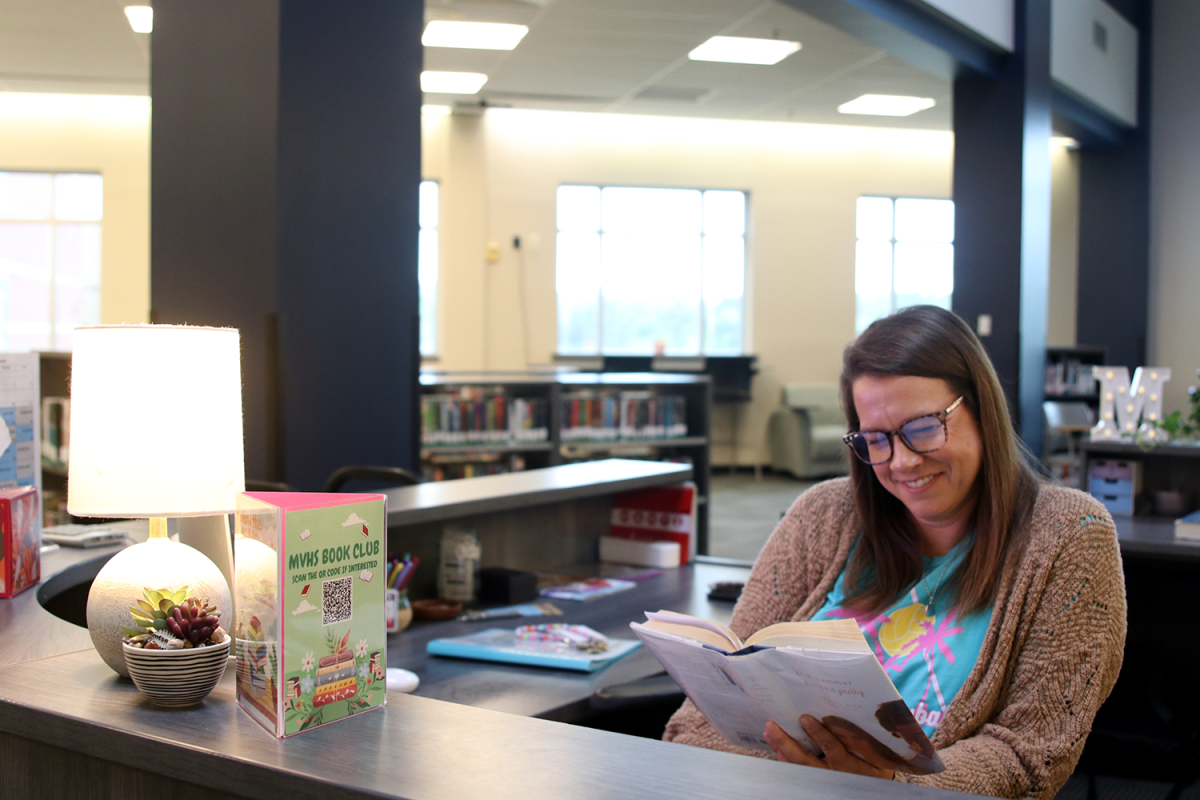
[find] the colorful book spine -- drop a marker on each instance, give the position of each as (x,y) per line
(469,417)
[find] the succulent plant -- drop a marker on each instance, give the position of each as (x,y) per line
(166,620)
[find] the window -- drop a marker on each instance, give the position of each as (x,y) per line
(904,256)
(640,271)
(49,257)
(427,266)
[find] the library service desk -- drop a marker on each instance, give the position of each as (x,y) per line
(70,727)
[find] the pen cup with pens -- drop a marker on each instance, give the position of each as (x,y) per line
(398,608)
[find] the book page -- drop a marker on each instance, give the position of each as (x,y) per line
(704,677)
(843,630)
(849,693)
(731,639)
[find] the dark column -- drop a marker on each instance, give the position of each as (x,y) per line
(1002,211)
(1114,225)
(349,171)
(286,150)
(214,82)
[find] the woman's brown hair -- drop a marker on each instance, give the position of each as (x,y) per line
(930,342)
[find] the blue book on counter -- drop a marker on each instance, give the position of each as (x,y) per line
(1188,527)
(502,644)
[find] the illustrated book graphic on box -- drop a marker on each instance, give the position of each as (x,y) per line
(309,629)
(20,540)
(666,513)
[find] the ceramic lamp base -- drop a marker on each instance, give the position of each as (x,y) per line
(153,564)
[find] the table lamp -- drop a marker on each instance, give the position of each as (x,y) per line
(156,432)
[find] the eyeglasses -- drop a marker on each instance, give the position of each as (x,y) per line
(921,435)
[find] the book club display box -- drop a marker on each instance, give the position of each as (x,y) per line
(20,540)
(309,625)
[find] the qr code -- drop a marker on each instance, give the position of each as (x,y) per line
(336,605)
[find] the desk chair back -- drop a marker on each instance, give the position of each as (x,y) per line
(390,476)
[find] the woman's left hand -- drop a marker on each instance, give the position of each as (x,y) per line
(836,757)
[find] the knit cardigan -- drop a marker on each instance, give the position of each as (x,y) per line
(1049,658)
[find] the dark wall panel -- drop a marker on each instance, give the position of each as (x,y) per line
(1002,211)
(214,81)
(1114,226)
(286,159)
(349,170)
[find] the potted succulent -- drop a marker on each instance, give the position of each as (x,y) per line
(176,649)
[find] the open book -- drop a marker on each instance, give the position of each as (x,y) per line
(824,669)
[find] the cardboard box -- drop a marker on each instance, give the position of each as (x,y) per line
(309,631)
(20,540)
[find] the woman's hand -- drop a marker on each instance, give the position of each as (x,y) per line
(836,757)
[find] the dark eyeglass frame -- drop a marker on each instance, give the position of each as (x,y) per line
(940,416)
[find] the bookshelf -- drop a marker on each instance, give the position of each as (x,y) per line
(1069,373)
(570,417)
(54,373)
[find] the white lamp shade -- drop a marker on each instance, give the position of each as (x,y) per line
(156,421)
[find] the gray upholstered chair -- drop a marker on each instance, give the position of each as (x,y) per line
(805,432)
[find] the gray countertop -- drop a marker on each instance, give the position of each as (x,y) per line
(411,748)
(434,502)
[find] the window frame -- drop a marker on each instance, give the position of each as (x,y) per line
(53,222)
(892,241)
(743,325)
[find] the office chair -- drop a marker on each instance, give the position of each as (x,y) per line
(392,476)
(639,707)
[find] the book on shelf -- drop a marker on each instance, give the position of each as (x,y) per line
(663,513)
(56,430)
(473,415)
(608,416)
(1188,527)
(506,646)
(824,669)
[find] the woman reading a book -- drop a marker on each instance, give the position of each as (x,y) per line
(994,602)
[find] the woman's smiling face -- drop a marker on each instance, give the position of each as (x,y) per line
(938,488)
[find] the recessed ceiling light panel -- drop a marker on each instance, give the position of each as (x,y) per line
(886,105)
(141,18)
(473,35)
(452,82)
(743,50)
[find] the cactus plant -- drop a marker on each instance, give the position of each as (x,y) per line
(171,620)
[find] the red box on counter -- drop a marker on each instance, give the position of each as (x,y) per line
(663,514)
(20,540)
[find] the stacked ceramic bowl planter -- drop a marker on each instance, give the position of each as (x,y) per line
(177,678)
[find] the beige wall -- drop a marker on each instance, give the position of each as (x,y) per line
(1064,247)
(94,133)
(499,172)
